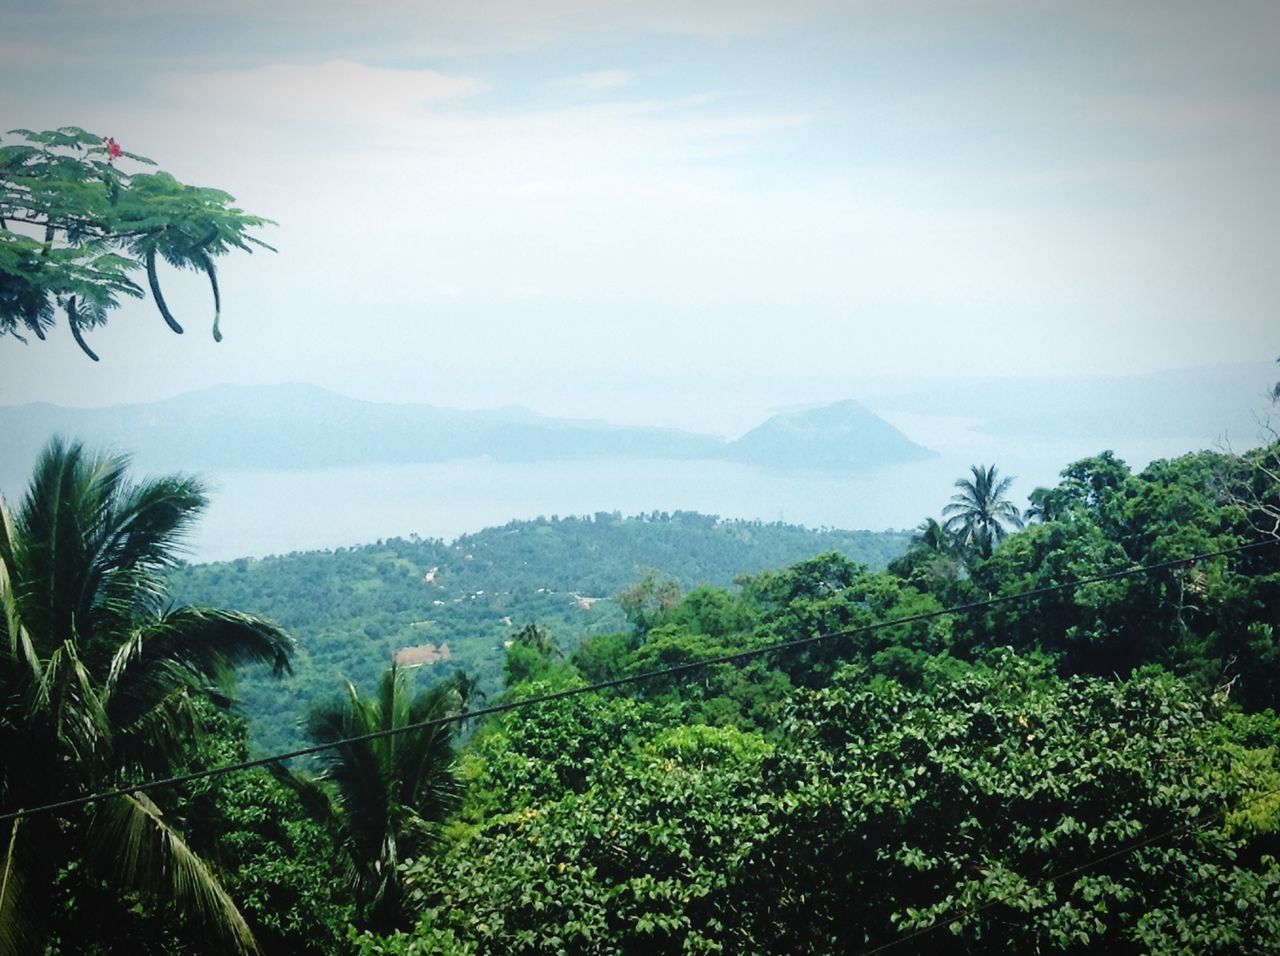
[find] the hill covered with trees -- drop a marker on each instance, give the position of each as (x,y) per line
(352,609)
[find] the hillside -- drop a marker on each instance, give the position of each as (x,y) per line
(353,608)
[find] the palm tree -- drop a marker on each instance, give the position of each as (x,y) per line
(380,796)
(98,685)
(979,513)
(1046,504)
(466,691)
(932,536)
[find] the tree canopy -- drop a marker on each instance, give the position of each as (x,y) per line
(75,226)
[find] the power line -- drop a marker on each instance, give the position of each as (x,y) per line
(688,666)
(1062,875)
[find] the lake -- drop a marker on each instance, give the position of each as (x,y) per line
(255,512)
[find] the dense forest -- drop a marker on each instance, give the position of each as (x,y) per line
(1090,767)
(351,609)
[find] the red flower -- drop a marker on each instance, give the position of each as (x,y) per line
(113,148)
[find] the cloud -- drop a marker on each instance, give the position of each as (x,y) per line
(337,90)
(594,82)
(871,185)
(1183,114)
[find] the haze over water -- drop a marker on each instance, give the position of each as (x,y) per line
(255,512)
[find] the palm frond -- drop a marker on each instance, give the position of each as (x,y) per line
(68,695)
(130,840)
(148,743)
(21,653)
(87,542)
(424,769)
(99,681)
(18,935)
(385,793)
(158,670)
(317,801)
(208,642)
(979,511)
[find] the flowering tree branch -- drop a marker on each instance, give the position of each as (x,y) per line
(74,227)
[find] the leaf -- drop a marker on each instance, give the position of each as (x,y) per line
(17,934)
(130,841)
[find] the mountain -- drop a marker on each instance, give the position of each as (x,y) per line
(1200,405)
(303,426)
(843,435)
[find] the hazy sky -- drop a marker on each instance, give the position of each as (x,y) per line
(666,211)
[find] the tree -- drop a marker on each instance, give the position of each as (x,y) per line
(932,561)
(932,536)
(73,226)
(1257,491)
(980,512)
(532,653)
(646,601)
(380,796)
(1046,504)
(99,681)
(1024,812)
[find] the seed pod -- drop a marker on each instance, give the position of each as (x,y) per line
(154,281)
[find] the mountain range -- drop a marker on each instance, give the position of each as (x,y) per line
(304,426)
(1203,405)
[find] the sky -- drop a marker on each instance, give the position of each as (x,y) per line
(677,213)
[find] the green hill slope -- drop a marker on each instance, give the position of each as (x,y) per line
(352,609)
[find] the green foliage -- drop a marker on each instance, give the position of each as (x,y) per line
(619,867)
(604,656)
(1027,776)
(924,807)
(648,599)
(831,594)
(353,608)
(74,226)
(915,777)
(532,654)
(100,679)
(880,810)
(933,561)
(381,796)
(560,743)
(278,864)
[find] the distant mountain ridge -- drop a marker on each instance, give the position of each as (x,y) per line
(1205,403)
(305,426)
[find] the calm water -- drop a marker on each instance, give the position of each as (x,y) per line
(255,512)
(258,512)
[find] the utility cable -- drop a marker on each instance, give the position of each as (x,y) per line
(733,658)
